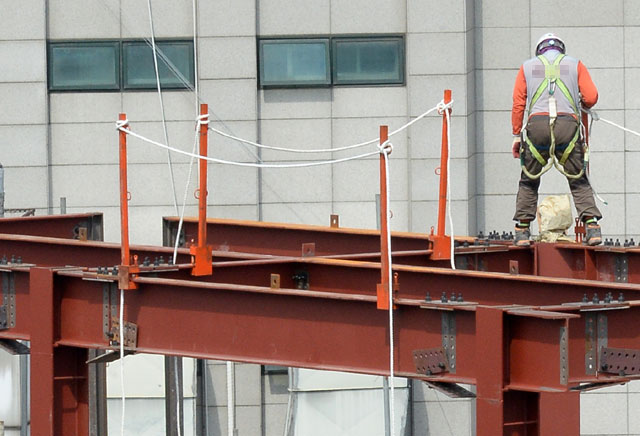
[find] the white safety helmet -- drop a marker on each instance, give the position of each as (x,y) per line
(549,41)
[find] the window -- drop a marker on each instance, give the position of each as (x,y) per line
(294,62)
(175,65)
(363,61)
(84,65)
(118,65)
(299,62)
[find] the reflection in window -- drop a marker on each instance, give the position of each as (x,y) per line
(85,65)
(365,61)
(175,65)
(294,62)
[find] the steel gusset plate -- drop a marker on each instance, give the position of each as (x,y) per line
(430,361)
(621,361)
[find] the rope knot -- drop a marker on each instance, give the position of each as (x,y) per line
(122,124)
(442,106)
(203,119)
(385,148)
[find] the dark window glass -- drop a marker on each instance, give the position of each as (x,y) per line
(289,62)
(175,65)
(368,60)
(84,65)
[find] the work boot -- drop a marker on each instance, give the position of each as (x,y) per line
(594,234)
(522,235)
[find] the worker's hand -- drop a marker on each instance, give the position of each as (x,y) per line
(515,148)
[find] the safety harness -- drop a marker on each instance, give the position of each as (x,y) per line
(552,81)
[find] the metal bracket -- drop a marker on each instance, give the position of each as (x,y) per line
(596,338)
(308,249)
(564,355)
(621,268)
(8,308)
(462,262)
(430,361)
(130,332)
(111,319)
(274,280)
(449,339)
(621,361)
(335,221)
(301,279)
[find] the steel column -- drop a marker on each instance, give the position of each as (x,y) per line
(490,375)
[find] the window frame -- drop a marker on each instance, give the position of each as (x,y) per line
(119,44)
(288,84)
(379,38)
(51,45)
(124,86)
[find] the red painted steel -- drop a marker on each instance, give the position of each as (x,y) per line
(490,364)
(55,226)
(202,252)
(124,196)
(444,165)
(383,287)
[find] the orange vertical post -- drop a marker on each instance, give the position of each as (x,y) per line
(201,254)
(124,197)
(383,287)
(441,244)
(444,156)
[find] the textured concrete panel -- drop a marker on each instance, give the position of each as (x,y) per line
(425,184)
(84,143)
(632,47)
(302,213)
(145,106)
(611,416)
(304,134)
(369,102)
(25,187)
(610,83)
(632,161)
(249,212)
(360,215)
(594,12)
(248,382)
(29,143)
(494,89)
(81,19)
(631,13)
(349,131)
(289,17)
(494,131)
(26,61)
(514,47)
(632,209)
(436,53)
(227,18)
(436,16)
(447,417)
(311,184)
(597,47)
(217,385)
(24,20)
(360,180)
(605,137)
(78,107)
(249,420)
(631,117)
(295,103)
(170,19)
(275,416)
(425,92)
(615,217)
(368,16)
(145,223)
(424,215)
(230,149)
(227,58)
(495,212)
(230,99)
(23,103)
(232,185)
(632,96)
(606,171)
(498,173)
(493,13)
(426,137)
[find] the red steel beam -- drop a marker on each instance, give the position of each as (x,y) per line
(66,226)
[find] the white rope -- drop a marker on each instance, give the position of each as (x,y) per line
(164,120)
(122,359)
(385,149)
(327,150)
(248,164)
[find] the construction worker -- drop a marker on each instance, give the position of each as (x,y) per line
(553,88)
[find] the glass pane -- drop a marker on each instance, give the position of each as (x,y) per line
(84,66)
(290,62)
(175,64)
(368,61)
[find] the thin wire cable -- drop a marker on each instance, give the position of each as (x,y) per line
(122,360)
(384,149)
(322,150)
(249,164)
(184,199)
(164,120)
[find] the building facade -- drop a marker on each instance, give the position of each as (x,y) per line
(58,137)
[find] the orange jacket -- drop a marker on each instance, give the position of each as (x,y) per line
(586,87)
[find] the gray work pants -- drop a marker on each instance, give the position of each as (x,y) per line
(539,133)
